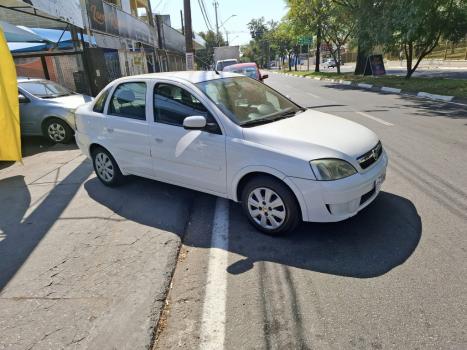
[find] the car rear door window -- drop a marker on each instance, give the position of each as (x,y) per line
(129,101)
(100,102)
(172,104)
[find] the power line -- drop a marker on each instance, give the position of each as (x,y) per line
(206,13)
(203,12)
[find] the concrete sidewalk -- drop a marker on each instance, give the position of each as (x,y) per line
(430,64)
(77,270)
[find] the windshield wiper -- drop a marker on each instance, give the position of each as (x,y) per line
(272,118)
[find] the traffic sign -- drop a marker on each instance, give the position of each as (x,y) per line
(305,40)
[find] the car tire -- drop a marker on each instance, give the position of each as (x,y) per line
(270,205)
(57,131)
(106,168)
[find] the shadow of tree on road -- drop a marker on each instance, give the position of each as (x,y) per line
(425,107)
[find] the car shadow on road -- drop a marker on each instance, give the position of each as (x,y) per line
(379,238)
(32,145)
(147,202)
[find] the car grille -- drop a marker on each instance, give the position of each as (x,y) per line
(367,196)
(370,157)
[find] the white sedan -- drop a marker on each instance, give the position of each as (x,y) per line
(237,138)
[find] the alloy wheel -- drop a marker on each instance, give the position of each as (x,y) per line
(56,132)
(266,208)
(104,167)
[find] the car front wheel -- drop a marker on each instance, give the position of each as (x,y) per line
(270,206)
(106,168)
(58,131)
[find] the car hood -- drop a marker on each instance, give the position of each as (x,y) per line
(314,135)
(72,101)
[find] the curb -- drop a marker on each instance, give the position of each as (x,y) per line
(386,89)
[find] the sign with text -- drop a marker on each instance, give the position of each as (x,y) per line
(305,40)
(190,61)
(375,65)
(109,19)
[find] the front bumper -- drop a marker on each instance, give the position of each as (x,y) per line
(331,201)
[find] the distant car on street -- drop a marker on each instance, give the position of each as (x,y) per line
(220,65)
(331,63)
(233,137)
(47,109)
(249,69)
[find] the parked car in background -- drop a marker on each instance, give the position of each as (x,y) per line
(250,70)
(220,65)
(234,137)
(331,63)
(47,109)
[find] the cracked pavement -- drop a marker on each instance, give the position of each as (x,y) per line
(77,270)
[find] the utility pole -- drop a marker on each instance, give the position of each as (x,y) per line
(181,19)
(188,36)
(216,5)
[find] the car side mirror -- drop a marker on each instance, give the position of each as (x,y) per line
(22,98)
(265,76)
(197,122)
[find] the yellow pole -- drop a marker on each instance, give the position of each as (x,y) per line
(10,137)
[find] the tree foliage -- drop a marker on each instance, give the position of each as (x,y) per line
(205,57)
(418,25)
(413,26)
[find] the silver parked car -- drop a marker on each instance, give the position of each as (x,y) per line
(47,109)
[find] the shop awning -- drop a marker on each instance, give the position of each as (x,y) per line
(15,34)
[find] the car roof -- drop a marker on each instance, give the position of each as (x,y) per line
(189,76)
(23,79)
(242,65)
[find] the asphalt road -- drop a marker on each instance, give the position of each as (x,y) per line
(393,277)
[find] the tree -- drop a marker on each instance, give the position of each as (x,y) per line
(418,25)
(337,27)
(309,16)
(259,31)
(205,57)
(285,41)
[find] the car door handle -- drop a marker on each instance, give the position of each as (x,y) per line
(158,140)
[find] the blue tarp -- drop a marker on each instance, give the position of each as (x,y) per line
(50,35)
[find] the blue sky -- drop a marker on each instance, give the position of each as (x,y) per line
(236,26)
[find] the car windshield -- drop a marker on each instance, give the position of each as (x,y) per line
(45,89)
(222,64)
(248,102)
(247,71)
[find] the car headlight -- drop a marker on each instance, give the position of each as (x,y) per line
(332,169)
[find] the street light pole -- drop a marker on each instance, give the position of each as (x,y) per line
(222,26)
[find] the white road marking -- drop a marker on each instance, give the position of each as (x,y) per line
(312,95)
(366,115)
(213,319)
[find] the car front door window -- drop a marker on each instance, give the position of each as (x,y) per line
(172,104)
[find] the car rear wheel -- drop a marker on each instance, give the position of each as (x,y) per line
(58,131)
(106,168)
(270,206)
